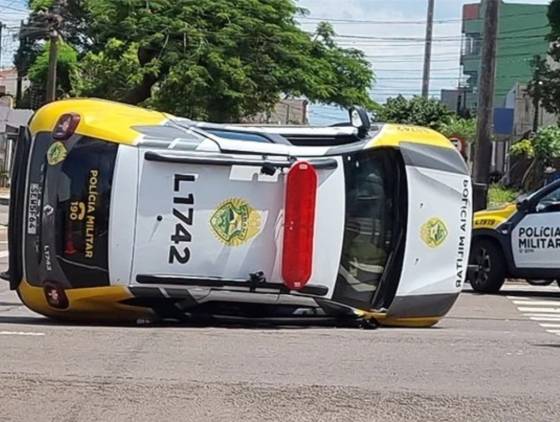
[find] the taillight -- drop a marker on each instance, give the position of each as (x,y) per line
(66,126)
(299,223)
(56,296)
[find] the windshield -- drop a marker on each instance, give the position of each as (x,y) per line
(370,224)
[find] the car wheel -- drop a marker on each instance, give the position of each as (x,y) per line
(490,267)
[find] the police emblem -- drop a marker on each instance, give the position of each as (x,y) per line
(433,232)
(56,153)
(235,222)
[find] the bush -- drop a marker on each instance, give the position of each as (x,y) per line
(499,195)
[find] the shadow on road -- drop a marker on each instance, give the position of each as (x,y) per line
(202,323)
(552,345)
(528,291)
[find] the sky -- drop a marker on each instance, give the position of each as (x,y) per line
(398,64)
(396,53)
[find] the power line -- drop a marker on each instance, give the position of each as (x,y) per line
(411,22)
(14,8)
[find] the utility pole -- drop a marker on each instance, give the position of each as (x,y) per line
(53,59)
(535,88)
(1,26)
(428,49)
(536,105)
(485,115)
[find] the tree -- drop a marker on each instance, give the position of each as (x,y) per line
(215,59)
(458,126)
(545,84)
(419,111)
(542,149)
(70,19)
(67,61)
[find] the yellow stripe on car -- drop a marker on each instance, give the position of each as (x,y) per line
(102,303)
(490,219)
(389,321)
(392,135)
(99,119)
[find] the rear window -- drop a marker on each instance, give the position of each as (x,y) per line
(68,199)
(83,199)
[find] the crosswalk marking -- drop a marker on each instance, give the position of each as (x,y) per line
(536,309)
(545,312)
(537,302)
(544,318)
(20,333)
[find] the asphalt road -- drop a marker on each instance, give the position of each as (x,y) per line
(488,360)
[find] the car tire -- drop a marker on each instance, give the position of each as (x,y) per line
(490,274)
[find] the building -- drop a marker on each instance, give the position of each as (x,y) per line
(10,121)
(286,112)
(521,102)
(521,36)
(8,82)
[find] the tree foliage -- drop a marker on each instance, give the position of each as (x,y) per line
(458,126)
(67,61)
(545,84)
(419,111)
(542,149)
(69,18)
(212,59)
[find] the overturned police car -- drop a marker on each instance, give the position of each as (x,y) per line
(123,213)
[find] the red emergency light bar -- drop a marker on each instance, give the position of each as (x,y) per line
(299,224)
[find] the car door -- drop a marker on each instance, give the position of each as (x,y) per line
(536,239)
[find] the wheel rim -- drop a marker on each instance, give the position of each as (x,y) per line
(483,266)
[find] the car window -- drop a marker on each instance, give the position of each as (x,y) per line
(550,202)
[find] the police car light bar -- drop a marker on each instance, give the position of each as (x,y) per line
(299,223)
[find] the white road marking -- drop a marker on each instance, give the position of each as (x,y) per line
(544,310)
(535,318)
(537,302)
(4,254)
(20,333)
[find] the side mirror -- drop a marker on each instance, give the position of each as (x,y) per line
(523,205)
(360,120)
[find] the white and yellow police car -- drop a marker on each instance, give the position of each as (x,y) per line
(519,240)
(121,213)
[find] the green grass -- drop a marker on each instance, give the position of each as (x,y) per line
(499,195)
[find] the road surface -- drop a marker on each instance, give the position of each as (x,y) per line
(494,358)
